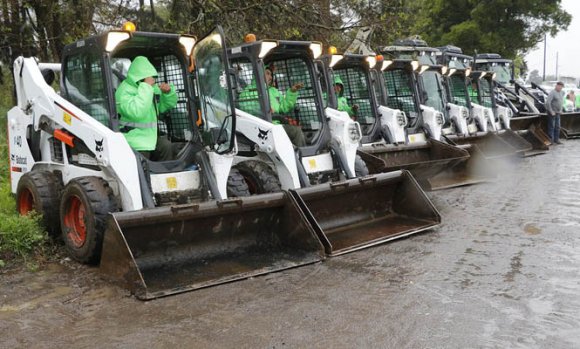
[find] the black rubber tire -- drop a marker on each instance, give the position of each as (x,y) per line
(98,200)
(43,188)
(260,177)
(237,186)
(360,167)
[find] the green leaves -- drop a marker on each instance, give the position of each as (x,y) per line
(19,236)
(507,27)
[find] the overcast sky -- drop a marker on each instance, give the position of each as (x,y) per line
(567,44)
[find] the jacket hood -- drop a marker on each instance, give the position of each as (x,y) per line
(338,81)
(140,69)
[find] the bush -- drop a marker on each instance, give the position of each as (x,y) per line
(20,237)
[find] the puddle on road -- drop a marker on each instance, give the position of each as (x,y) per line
(56,292)
(531,229)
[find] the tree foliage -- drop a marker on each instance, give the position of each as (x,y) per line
(507,27)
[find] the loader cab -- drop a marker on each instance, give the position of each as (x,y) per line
(430,79)
(493,62)
(483,90)
(359,87)
(292,62)
(429,73)
(94,68)
(432,91)
(462,89)
(458,69)
(400,91)
(489,97)
(530,100)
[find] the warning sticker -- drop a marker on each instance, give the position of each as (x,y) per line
(67,118)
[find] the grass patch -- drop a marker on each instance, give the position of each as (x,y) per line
(22,239)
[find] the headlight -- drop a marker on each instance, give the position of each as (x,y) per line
(439,118)
(354,132)
(401,119)
(114,38)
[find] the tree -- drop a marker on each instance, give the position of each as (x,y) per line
(507,27)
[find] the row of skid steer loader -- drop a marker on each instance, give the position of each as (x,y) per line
(415,82)
(463,85)
(484,92)
(159,228)
(347,212)
(387,132)
(441,85)
(526,102)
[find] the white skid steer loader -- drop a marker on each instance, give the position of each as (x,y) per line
(433,83)
(321,168)
(387,133)
(157,227)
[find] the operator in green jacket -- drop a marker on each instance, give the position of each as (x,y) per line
(279,104)
(139,102)
(341,99)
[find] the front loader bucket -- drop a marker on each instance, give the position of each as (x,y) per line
(167,250)
(519,143)
(490,144)
(422,160)
(530,128)
(366,211)
(486,153)
(570,125)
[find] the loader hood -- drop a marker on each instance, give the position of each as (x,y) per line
(140,69)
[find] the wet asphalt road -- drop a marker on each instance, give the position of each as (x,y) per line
(501,272)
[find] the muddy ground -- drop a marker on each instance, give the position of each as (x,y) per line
(501,272)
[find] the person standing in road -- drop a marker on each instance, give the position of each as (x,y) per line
(570,101)
(554,105)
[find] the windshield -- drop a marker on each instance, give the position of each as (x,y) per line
(428,59)
(485,93)
(400,91)
(504,73)
(458,63)
(433,90)
(355,92)
(214,91)
(458,90)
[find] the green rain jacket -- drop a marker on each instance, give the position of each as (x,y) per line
(136,103)
(279,103)
(341,99)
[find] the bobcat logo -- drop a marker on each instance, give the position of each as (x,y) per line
(263,135)
(99,145)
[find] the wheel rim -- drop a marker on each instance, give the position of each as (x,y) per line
(74,221)
(25,202)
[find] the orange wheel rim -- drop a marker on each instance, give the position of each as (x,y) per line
(74,222)
(25,202)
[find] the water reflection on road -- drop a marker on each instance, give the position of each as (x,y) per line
(501,272)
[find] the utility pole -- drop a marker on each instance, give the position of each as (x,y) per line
(557,76)
(544,74)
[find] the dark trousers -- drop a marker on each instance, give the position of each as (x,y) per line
(554,127)
(163,151)
(295,134)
